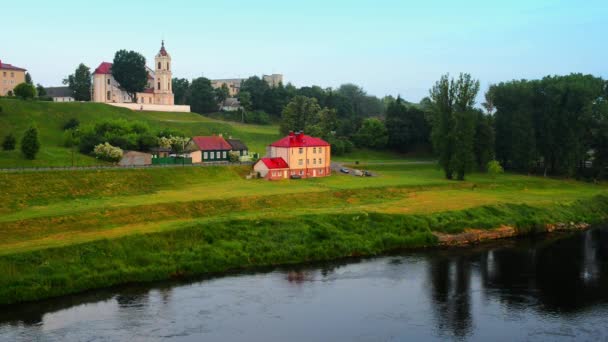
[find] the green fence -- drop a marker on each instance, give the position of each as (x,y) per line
(171,161)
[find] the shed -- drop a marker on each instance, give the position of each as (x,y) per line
(238,146)
(134,158)
(60,94)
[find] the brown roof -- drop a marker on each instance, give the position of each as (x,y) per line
(6,66)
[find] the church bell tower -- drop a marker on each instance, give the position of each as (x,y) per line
(163,92)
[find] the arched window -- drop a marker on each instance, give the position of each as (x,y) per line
(159,65)
(158,85)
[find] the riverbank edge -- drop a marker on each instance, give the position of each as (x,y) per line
(198,249)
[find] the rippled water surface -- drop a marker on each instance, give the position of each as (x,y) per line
(553,288)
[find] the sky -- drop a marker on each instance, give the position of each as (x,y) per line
(388,47)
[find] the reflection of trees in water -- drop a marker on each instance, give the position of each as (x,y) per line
(564,274)
(450,293)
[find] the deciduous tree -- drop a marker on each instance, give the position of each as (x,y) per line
(129,70)
(80,83)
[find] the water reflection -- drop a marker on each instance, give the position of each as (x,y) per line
(465,290)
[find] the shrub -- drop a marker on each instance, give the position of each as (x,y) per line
(494,168)
(70,138)
(233,157)
(108,152)
(9,143)
(30,145)
(71,124)
(25,91)
(146,141)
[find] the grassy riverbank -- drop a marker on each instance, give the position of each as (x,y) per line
(196,248)
(64,232)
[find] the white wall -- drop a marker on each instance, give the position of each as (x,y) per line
(152,107)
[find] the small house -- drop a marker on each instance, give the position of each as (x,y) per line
(272,168)
(238,147)
(209,149)
(160,152)
(60,94)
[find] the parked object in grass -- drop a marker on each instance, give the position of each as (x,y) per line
(358,173)
(344,170)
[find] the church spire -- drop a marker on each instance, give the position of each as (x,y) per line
(163,52)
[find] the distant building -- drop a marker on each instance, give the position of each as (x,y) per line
(158,94)
(60,94)
(231,104)
(304,156)
(238,146)
(234,84)
(10,76)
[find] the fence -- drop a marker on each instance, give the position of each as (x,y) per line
(115,167)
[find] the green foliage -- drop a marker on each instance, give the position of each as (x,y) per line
(545,124)
(407,126)
(494,168)
(300,114)
(129,70)
(120,133)
(73,123)
(372,134)
(40,90)
(484,140)
(80,83)
(25,91)
(222,93)
(30,144)
(181,90)
(202,97)
(453,123)
(233,157)
(9,143)
(28,79)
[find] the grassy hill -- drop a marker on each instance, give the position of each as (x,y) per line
(50,117)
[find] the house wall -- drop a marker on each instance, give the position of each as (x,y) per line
(9,79)
(311,162)
(213,156)
(153,107)
(136,159)
(196,157)
(261,168)
(63,99)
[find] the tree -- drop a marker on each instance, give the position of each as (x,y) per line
(300,114)
(30,145)
(222,93)
(129,70)
(181,90)
(406,125)
(484,140)
(80,83)
(40,90)
(25,91)
(28,78)
(9,143)
(108,152)
(257,89)
(372,134)
(245,100)
(202,96)
(454,123)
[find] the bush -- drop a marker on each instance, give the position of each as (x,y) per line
(70,138)
(9,143)
(146,142)
(25,91)
(108,152)
(30,145)
(494,168)
(71,124)
(234,157)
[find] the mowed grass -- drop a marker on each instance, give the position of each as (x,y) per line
(76,207)
(49,117)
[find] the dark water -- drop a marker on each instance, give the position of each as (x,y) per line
(554,288)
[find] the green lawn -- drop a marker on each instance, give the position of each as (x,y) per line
(49,117)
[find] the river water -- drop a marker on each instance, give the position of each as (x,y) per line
(550,288)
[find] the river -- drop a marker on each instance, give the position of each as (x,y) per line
(549,288)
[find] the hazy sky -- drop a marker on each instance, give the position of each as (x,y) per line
(385,46)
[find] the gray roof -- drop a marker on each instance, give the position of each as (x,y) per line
(237,145)
(59,92)
(232,102)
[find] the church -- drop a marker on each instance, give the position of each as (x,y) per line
(158,94)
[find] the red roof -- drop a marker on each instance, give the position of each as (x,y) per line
(275,163)
(104,68)
(212,143)
(6,66)
(299,140)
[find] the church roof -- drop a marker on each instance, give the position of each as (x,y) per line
(162,51)
(104,68)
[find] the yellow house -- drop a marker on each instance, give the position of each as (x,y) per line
(301,155)
(10,76)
